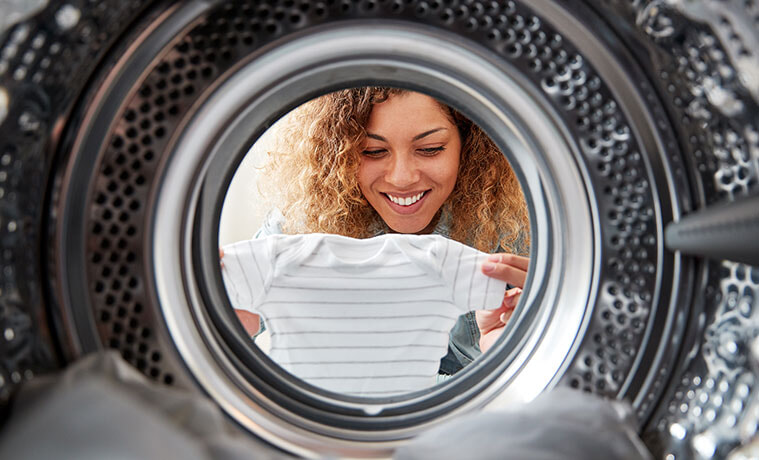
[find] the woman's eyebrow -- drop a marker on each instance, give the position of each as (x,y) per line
(376,136)
(416,138)
(427,133)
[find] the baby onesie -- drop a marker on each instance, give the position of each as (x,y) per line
(364,317)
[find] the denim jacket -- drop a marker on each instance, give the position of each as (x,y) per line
(464,339)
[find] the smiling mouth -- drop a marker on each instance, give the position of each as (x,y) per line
(406,201)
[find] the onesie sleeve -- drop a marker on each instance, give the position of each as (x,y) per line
(246,268)
(472,289)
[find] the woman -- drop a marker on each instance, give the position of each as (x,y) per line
(367,161)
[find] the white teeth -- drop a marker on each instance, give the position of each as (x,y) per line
(406,201)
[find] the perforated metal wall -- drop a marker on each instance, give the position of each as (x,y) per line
(669,333)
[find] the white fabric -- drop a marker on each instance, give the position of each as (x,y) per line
(364,317)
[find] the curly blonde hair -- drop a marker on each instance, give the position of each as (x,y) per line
(314,171)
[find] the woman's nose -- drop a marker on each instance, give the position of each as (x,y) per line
(402,171)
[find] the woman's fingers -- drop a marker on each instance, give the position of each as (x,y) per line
(511,298)
(501,268)
(514,260)
(491,322)
(492,319)
(488,337)
(513,270)
(221,256)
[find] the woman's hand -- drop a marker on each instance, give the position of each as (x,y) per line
(492,322)
(250,321)
(510,268)
(513,270)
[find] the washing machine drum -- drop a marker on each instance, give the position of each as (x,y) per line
(632,127)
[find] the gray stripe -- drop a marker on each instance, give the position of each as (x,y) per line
(368,243)
(244,276)
(402,331)
(232,285)
(355,289)
(363,267)
(445,257)
(364,377)
(455,278)
(415,246)
(302,363)
(432,315)
(255,261)
(371,252)
(362,304)
(372,347)
(394,277)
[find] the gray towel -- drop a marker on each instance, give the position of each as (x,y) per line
(560,424)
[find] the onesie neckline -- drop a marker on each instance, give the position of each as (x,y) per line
(310,245)
(379,255)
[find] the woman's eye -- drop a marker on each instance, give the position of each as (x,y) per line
(373,153)
(431,150)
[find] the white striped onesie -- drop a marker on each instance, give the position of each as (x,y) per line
(365,317)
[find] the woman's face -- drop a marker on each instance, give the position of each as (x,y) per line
(410,163)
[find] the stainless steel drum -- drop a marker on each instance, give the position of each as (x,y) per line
(633,127)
